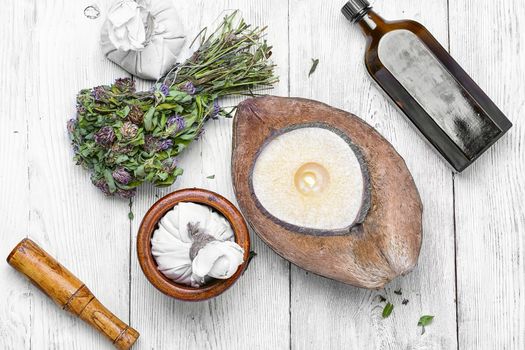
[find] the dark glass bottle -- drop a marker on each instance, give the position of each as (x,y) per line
(429,86)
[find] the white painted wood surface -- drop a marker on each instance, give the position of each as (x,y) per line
(474,223)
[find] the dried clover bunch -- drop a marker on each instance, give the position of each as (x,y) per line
(125,137)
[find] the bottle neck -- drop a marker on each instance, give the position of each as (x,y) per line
(371,22)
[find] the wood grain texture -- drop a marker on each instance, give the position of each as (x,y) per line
(254,313)
(16,24)
(487,38)
(69,217)
(49,50)
(331,315)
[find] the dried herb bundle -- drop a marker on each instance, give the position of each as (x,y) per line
(125,137)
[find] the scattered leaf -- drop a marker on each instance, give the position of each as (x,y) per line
(211,177)
(398,292)
(382,299)
(388,310)
(405,301)
(92,12)
(425,321)
(131,215)
(315,63)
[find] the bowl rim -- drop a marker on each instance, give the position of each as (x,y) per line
(149,224)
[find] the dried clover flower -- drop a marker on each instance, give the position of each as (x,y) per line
(129,130)
(165,144)
(164,89)
(216,109)
(125,85)
(169,164)
(178,121)
(121,149)
(125,138)
(122,176)
(99,93)
(103,186)
(189,88)
(136,116)
(126,193)
(105,136)
(71,125)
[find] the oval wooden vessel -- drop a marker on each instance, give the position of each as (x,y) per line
(369,255)
(149,225)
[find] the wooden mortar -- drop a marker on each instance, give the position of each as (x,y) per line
(150,223)
(69,292)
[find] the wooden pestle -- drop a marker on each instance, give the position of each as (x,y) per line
(69,292)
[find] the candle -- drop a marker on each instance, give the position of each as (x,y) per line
(310,177)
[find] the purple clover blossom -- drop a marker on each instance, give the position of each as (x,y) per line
(122,176)
(71,125)
(216,109)
(164,89)
(154,144)
(164,144)
(105,136)
(189,88)
(177,120)
(169,164)
(125,84)
(103,186)
(150,143)
(129,130)
(126,193)
(200,134)
(98,93)
(81,109)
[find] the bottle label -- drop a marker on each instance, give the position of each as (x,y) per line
(436,90)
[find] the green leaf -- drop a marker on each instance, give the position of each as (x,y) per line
(123,113)
(110,181)
(121,159)
(315,63)
(425,321)
(148,119)
(131,215)
(387,310)
(211,177)
(140,172)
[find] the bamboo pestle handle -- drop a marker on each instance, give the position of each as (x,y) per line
(69,292)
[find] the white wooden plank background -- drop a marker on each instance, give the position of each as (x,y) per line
(471,273)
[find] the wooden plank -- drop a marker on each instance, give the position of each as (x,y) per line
(330,315)
(16,22)
(254,313)
(70,218)
(486,37)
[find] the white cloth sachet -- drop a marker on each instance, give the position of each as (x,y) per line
(144,37)
(210,239)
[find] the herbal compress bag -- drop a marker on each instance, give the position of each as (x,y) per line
(144,37)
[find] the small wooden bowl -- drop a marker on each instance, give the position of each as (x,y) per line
(149,225)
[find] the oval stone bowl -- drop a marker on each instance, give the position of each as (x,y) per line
(150,223)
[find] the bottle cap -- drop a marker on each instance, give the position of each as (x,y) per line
(354,10)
